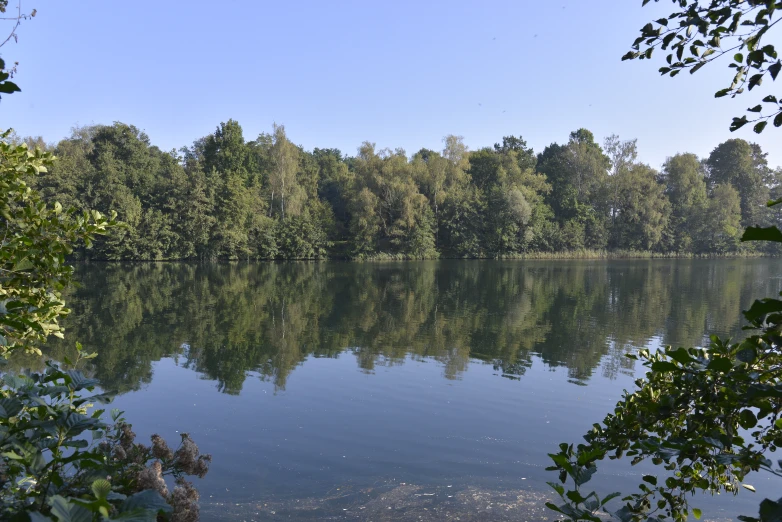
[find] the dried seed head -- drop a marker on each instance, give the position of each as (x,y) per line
(119,453)
(127,436)
(185,502)
(160,449)
(202,466)
(152,478)
(187,455)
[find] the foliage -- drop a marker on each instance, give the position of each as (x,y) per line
(36,239)
(49,470)
(58,455)
(702,32)
(708,416)
(743,166)
(228,198)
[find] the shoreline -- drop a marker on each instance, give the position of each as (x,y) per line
(529,256)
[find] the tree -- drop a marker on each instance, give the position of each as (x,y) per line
(722,229)
(282,177)
(525,155)
(641,209)
(622,155)
(743,166)
(578,174)
(431,170)
(707,31)
(507,224)
(685,185)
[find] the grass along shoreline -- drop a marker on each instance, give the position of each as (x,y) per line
(386,256)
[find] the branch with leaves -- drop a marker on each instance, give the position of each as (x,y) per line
(708,416)
(703,32)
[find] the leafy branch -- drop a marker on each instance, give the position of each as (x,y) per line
(700,34)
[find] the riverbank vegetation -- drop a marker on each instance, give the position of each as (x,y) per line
(229,197)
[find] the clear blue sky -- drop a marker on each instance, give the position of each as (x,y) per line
(398,73)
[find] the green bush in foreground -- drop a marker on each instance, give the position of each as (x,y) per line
(708,416)
(59,460)
(62,462)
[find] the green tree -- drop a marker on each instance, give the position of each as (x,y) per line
(282,178)
(722,228)
(685,184)
(641,208)
(578,174)
(742,165)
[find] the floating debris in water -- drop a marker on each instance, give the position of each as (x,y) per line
(393,501)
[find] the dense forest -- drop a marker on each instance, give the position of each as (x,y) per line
(226,197)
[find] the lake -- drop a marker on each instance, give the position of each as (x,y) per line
(395,391)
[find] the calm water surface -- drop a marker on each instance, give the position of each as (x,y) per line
(397,391)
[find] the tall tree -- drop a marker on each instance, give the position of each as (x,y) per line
(685,184)
(578,174)
(282,177)
(642,209)
(742,165)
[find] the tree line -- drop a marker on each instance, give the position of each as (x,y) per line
(267,198)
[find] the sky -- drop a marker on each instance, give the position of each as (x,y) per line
(396,73)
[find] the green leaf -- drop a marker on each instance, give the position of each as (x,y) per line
(101,488)
(697,513)
(778,120)
(8,87)
(770,511)
(65,511)
(738,123)
(755,80)
(575,496)
(590,455)
(137,515)
(759,126)
(79,381)
(680,355)
(762,234)
(720,364)
(10,407)
(664,366)
(557,487)
(747,419)
(35,516)
(698,66)
(761,308)
(774,69)
(747,355)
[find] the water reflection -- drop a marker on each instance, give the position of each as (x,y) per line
(227,320)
